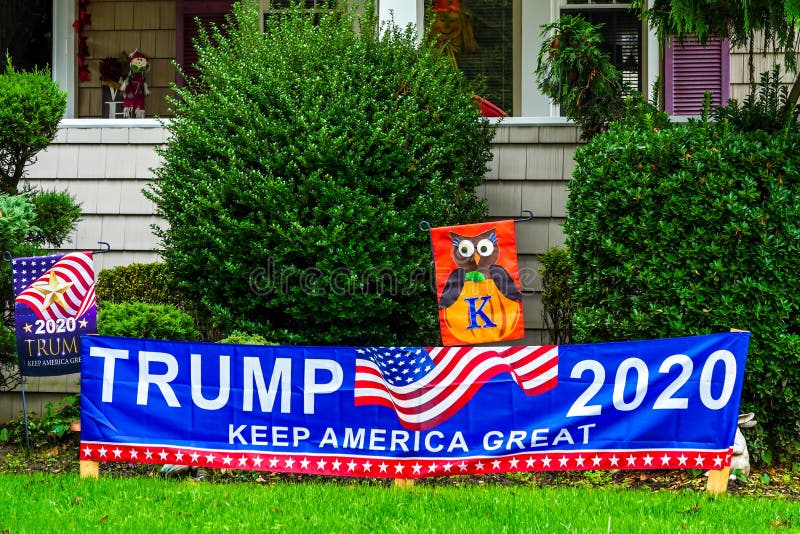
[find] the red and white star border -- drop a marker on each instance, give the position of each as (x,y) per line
(415,467)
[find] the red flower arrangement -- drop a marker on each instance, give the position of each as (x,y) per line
(110,72)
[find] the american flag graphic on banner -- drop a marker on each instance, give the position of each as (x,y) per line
(55,287)
(55,303)
(426,386)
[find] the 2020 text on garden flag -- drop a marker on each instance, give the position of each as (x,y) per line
(356,411)
(477,283)
(54,304)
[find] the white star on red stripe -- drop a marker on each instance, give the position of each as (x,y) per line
(363,465)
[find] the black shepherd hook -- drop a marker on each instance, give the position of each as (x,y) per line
(525,219)
(425,226)
(7,256)
(102,250)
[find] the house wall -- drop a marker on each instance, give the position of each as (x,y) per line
(763,61)
(124,26)
(531,166)
(107,163)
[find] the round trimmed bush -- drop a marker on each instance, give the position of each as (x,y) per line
(31,105)
(300,165)
(139,282)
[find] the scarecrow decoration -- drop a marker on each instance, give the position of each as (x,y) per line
(134,86)
(452,33)
(452,28)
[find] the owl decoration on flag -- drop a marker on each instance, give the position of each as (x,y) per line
(477,278)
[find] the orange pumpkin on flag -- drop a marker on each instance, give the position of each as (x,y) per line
(481,314)
(479,296)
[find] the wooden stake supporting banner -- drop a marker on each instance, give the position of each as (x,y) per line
(90,469)
(718,478)
(718,481)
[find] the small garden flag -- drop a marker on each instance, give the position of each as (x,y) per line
(54,304)
(477,283)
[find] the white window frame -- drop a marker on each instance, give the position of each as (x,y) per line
(62,65)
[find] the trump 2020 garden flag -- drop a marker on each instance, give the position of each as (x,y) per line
(54,304)
(477,283)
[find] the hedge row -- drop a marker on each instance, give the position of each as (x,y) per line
(692,229)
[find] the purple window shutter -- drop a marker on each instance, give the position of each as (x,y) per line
(186,29)
(691,69)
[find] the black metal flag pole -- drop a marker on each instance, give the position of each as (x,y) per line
(7,256)
(425,226)
(25,414)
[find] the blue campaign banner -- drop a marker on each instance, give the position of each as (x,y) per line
(411,412)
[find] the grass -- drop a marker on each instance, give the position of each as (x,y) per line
(43,503)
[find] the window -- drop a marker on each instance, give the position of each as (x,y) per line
(271,7)
(622,34)
(478,36)
(26,32)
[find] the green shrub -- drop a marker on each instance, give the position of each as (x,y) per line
(152,283)
(50,428)
(238,337)
(765,107)
(56,215)
(31,105)
(299,168)
(573,71)
(557,302)
(139,282)
(144,320)
(17,220)
(693,229)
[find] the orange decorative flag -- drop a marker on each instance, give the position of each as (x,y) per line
(477,283)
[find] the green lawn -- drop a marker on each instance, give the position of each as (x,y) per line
(65,503)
